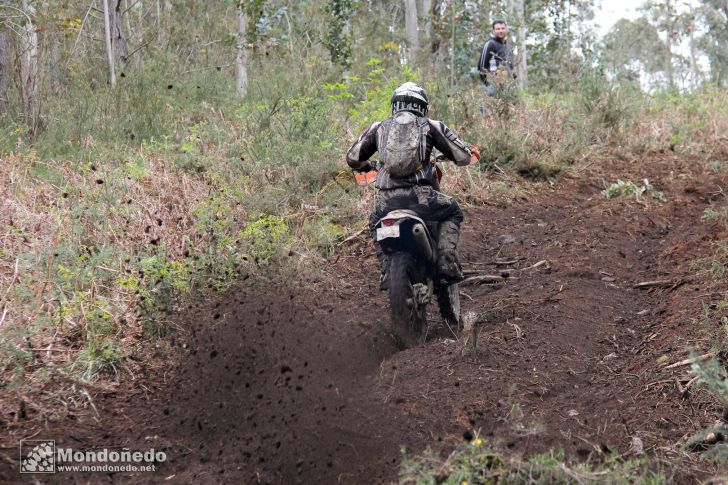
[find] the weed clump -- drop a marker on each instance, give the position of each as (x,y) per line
(482,463)
(622,188)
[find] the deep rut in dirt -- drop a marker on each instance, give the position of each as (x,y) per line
(305,385)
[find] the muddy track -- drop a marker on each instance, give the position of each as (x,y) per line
(305,384)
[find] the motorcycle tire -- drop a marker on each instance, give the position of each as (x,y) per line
(409,317)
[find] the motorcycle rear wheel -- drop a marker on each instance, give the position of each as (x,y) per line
(409,317)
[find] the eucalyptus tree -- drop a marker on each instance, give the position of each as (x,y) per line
(248,13)
(714,16)
(19,54)
(4,70)
(664,16)
(411,26)
(633,50)
(108,44)
(338,37)
(560,38)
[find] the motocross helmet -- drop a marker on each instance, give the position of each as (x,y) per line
(410,97)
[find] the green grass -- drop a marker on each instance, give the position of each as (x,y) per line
(484,464)
(720,215)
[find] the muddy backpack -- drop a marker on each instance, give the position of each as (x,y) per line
(402,144)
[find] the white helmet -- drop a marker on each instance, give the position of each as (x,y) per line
(410,97)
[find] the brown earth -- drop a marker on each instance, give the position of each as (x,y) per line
(304,384)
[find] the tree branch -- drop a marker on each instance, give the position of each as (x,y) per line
(78,36)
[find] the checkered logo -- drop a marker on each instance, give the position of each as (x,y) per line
(37,456)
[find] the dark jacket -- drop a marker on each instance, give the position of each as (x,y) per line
(435,134)
(501,51)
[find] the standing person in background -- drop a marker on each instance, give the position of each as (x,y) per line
(496,60)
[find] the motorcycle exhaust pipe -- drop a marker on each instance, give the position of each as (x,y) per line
(418,230)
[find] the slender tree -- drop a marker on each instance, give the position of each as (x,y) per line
(696,75)
(29,64)
(642,57)
(107,42)
(426,11)
(338,37)
(668,43)
(522,49)
(3,65)
(663,15)
(714,15)
(411,28)
(135,27)
(118,40)
(241,57)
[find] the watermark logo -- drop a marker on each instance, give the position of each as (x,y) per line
(43,456)
(37,456)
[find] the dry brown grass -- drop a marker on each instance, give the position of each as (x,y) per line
(66,258)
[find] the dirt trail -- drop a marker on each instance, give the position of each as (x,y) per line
(305,385)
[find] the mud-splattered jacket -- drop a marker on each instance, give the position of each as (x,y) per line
(434,134)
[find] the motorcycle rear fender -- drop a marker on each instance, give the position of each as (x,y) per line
(426,244)
(400,216)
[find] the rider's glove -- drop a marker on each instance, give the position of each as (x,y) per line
(474,153)
(371,165)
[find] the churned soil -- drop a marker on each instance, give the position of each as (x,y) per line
(303,383)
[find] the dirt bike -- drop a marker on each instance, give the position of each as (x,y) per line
(413,281)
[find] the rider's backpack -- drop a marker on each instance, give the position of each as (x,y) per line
(402,147)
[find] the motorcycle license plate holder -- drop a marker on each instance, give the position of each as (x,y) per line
(385,232)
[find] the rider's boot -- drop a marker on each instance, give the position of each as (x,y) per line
(448,266)
(383,267)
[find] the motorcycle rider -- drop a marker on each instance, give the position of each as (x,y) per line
(401,190)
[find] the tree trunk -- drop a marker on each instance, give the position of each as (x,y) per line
(241,59)
(29,66)
(54,70)
(159,24)
(163,14)
(452,44)
(118,41)
(3,67)
(135,29)
(695,72)
(427,13)
(107,41)
(410,25)
(522,52)
(668,45)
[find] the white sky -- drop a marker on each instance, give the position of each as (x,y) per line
(613,10)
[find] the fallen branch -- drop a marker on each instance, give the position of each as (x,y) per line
(486,278)
(50,349)
(537,265)
(497,262)
(507,262)
(505,275)
(690,382)
(353,236)
(653,284)
(689,361)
